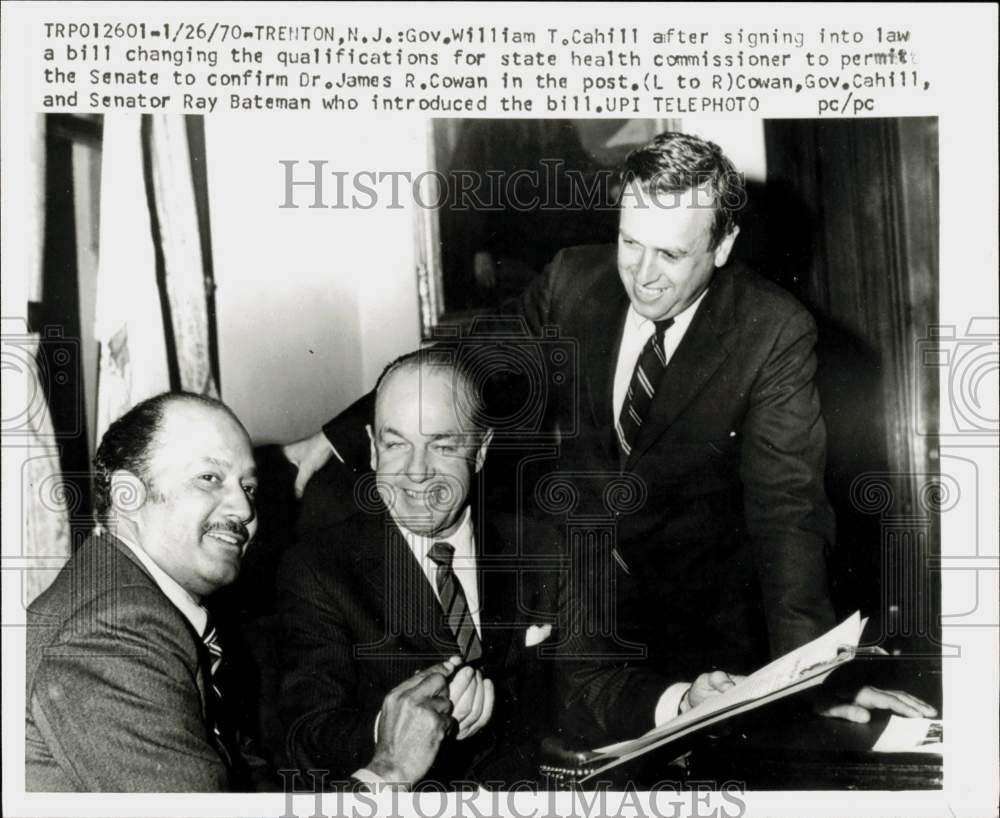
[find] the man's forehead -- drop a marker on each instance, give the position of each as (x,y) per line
(191,433)
(669,215)
(426,397)
(418,388)
(226,463)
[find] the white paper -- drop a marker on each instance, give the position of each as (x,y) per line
(817,658)
(903,735)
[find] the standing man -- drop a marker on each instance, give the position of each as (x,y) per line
(696,375)
(125,671)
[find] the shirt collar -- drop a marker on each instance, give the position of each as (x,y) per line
(190,608)
(681,321)
(461,539)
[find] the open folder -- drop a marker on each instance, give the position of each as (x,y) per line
(803,668)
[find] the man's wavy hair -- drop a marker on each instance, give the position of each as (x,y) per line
(676,162)
(128,442)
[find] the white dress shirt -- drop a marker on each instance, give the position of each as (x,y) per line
(638,330)
(463,564)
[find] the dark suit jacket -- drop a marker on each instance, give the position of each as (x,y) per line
(728,542)
(735,520)
(115,684)
(359,617)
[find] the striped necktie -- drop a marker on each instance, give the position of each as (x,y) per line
(456,608)
(214,647)
(645,378)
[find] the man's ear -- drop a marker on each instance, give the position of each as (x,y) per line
(725,247)
(127,493)
(373,461)
(484,444)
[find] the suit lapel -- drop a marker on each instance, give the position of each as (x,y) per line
(398,586)
(600,335)
(115,549)
(494,589)
(706,344)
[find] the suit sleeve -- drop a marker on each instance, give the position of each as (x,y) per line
(329,496)
(346,432)
(602,694)
(787,513)
(325,726)
(535,304)
(603,699)
(118,704)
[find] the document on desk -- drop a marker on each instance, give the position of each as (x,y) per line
(909,735)
(805,667)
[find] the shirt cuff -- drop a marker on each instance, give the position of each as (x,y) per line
(373,781)
(669,704)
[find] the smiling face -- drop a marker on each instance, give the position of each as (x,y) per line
(665,257)
(423,452)
(199,511)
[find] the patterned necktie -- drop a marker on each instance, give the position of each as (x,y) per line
(211,639)
(456,608)
(645,378)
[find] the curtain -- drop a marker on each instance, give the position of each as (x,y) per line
(46,498)
(184,269)
(152,316)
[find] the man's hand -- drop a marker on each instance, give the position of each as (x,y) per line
(308,455)
(706,686)
(414,720)
(871,698)
(472,698)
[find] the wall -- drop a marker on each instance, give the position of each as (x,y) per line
(87,207)
(741,138)
(311,303)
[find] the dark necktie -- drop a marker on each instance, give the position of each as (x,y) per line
(214,691)
(456,608)
(645,378)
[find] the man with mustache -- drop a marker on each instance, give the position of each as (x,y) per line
(125,671)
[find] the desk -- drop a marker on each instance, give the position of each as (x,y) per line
(788,747)
(785,746)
